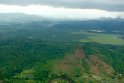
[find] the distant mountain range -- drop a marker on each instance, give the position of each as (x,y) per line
(20,17)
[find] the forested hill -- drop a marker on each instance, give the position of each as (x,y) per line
(41,50)
(42,61)
(109,25)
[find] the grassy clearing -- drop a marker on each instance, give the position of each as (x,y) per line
(101,38)
(26,74)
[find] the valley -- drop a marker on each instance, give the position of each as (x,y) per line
(61,51)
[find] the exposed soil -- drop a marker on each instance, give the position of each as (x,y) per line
(79,54)
(98,66)
(73,62)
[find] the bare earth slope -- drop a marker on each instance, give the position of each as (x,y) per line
(78,67)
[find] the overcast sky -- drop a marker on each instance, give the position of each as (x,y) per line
(66,8)
(111,5)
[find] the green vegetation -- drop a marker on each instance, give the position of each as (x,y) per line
(18,56)
(42,68)
(62,52)
(101,38)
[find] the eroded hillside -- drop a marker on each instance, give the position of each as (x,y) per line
(77,66)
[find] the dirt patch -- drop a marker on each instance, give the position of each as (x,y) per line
(98,66)
(79,54)
(77,64)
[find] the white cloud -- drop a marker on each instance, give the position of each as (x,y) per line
(110,5)
(53,12)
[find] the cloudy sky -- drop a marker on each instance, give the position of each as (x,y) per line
(65,8)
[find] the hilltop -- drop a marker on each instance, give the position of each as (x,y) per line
(76,66)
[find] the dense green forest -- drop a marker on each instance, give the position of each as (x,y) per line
(65,51)
(18,55)
(38,57)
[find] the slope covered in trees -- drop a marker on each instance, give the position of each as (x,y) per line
(49,51)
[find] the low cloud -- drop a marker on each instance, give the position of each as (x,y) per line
(59,12)
(109,5)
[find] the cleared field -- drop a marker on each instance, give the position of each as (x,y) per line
(101,38)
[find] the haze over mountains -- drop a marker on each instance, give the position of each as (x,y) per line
(20,17)
(61,41)
(47,50)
